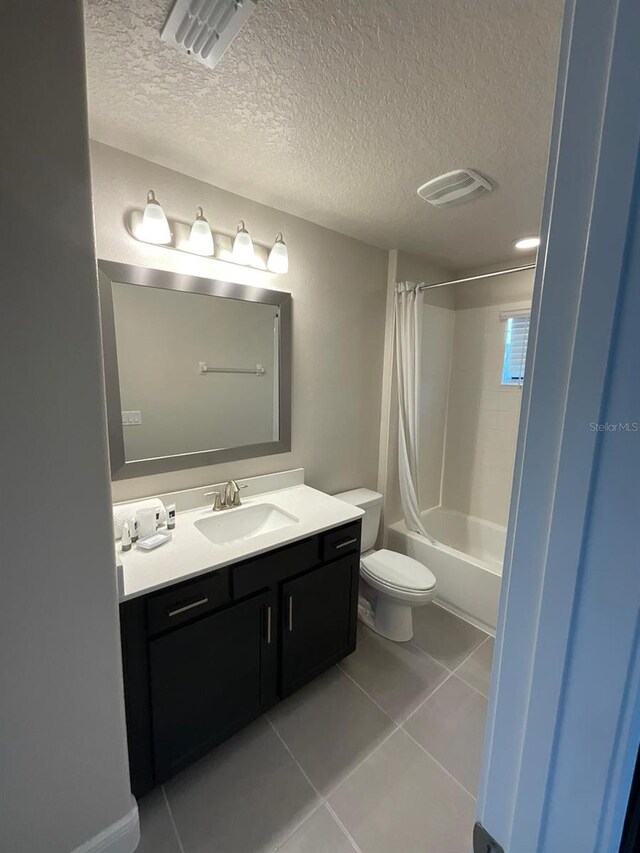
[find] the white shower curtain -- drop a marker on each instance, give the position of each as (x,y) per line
(408,332)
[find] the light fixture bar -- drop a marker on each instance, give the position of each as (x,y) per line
(198,239)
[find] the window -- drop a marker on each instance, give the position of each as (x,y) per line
(516,337)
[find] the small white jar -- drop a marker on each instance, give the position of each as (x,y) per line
(146,519)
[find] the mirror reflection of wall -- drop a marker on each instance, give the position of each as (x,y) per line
(162,338)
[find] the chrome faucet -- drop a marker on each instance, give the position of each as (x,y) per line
(232,494)
(228,498)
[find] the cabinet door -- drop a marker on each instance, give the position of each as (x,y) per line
(318,621)
(208,679)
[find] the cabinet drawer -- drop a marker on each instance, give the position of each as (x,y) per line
(338,543)
(187,601)
(262,572)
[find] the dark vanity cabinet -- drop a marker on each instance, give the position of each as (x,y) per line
(207,679)
(318,615)
(202,658)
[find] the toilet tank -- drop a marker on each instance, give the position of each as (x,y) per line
(371,503)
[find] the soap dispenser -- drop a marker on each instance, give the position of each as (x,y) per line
(126,537)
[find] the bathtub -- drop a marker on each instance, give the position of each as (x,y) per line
(466,560)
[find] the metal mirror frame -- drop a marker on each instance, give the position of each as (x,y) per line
(110,272)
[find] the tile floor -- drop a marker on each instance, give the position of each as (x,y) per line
(379,755)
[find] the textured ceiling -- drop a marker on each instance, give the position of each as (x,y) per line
(336,111)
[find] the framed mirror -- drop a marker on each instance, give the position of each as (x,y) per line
(197,371)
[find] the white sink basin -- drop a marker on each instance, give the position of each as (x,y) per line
(233,525)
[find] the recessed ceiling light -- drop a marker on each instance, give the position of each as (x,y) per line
(527,243)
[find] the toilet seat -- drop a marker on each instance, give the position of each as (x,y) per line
(397,571)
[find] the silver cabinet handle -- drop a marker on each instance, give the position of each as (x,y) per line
(198,603)
(345,543)
(290,620)
(269,625)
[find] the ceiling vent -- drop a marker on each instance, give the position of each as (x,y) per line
(204,29)
(454,188)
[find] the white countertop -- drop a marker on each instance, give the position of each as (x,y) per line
(190,553)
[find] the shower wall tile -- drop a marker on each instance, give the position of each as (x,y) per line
(437,339)
(482,418)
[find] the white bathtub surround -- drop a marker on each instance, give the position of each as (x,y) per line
(482,420)
(408,328)
(190,552)
(466,558)
(437,343)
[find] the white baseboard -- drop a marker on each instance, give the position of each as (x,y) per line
(123,836)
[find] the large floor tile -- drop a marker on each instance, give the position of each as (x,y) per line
(476,670)
(363,631)
(330,726)
(157,834)
(445,637)
(450,725)
(245,796)
(400,801)
(318,834)
(397,675)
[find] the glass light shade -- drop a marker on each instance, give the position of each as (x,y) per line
(242,252)
(278,260)
(527,243)
(154,228)
(201,238)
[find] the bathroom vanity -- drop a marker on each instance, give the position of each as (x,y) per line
(203,657)
(245,605)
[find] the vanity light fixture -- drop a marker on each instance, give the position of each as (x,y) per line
(525,243)
(154,227)
(242,252)
(278,260)
(201,238)
(197,238)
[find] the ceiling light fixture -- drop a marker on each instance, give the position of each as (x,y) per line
(201,238)
(242,252)
(204,29)
(527,243)
(154,227)
(454,188)
(278,260)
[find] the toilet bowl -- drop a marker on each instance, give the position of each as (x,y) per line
(399,583)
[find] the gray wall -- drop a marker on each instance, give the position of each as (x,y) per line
(338,287)
(162,336)
(64,775)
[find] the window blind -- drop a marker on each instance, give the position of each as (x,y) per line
(515,348)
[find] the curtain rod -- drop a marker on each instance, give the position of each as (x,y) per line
(476,277)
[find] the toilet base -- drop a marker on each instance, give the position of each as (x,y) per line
(393,620)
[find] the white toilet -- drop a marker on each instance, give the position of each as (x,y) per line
(400,583)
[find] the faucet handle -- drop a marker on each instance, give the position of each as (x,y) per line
(236,494)
(217,500)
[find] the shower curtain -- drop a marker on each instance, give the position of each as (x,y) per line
(408,328)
